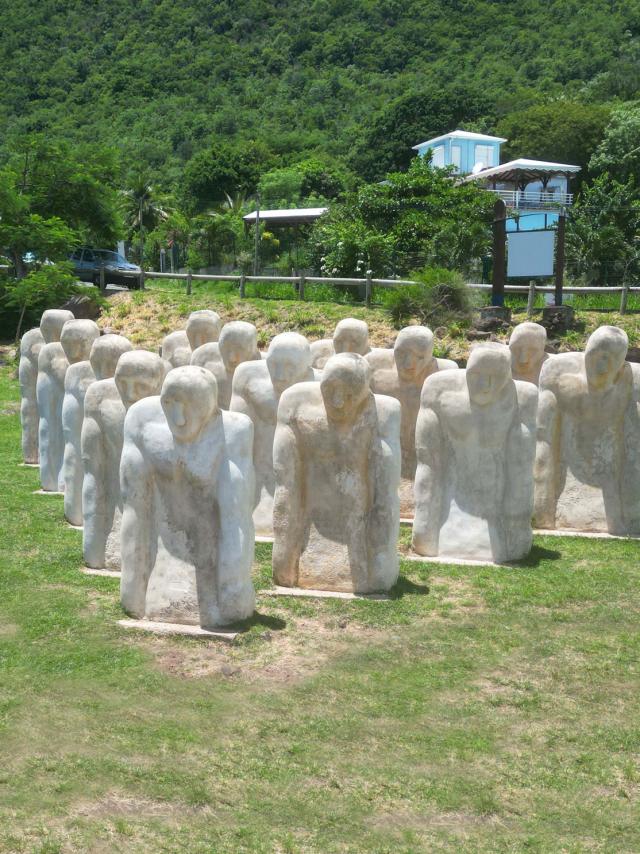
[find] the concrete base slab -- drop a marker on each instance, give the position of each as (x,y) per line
(106,573)
(29,465)
(571,532)
(158,628)
(75,527)
(45,492)
(323,594)
(406,520)
(264,539)
(452,561)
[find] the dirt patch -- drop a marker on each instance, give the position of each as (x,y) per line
(458,823)
(457,594)
(10,408)
(115,805)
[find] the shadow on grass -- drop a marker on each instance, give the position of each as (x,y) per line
(405,586)
(536,556)
(277,624)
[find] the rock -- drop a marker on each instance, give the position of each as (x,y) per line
(558,318)
(229,670)
(83,307)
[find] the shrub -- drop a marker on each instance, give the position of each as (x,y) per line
(438,297)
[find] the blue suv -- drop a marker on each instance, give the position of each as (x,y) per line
(87,264)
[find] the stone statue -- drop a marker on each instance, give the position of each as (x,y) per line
(203,327)
(527,343)
(238,343)
(413,362)
(257,387)
(187,485)
(475,445)
(138,374)
(350,336)
(52,367)
(337,468)
(176,349)
(77,339)
(30,345)
(587,469)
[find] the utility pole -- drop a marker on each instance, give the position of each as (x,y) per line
(499,252)
(141,231)
(256,240)
(559,271)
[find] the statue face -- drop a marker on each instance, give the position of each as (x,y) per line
(604,357)
(203,327)
(238,343)
(176,349)
(77,338)
(488,372)
(527,345)
(288,360)
(189,401)
(345,387)
(105,353)
(413,353)
(139,374)
(351,336)
(52,322)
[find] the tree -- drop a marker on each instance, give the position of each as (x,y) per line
(50,285)
(619,152)
(387,140)
(144,208)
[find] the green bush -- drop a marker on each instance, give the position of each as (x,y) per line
(437,298)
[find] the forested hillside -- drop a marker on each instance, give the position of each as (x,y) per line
(164,80)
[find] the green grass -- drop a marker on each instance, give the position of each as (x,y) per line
(480,710)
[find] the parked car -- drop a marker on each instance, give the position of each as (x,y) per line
(87,264)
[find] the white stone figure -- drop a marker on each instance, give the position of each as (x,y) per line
(187,486)
(52,367)
(238,343)
(138,374)
(176,349)
(413,361)
(337,465)
(527,343)
(30,345)
(588,453)
(475,445)
(77,339)
(203,327)
(257,387)
(350,336)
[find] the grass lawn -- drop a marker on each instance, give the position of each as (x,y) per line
(478,710)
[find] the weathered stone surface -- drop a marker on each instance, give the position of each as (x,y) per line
(238,343)
(78,337)
(475,445)
(187,483)
(588,454)
(558,318)
(257,387)
(176,349)
(30,346)
(492,318)
(527,344)
(337,466)
(138,374)
(52,367)
(350,336)
(82,307)
(203,327)
(412,361)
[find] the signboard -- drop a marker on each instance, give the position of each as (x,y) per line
(530,253)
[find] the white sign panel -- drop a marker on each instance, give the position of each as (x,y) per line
(530,253)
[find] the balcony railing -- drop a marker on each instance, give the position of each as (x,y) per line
(535,199)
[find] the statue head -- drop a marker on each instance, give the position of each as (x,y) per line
(77,338)
(288,360)
(488,372)
(176,348)
(351,336)
(345,387)
(52,321)
(413,353)
(139,374)
(105,353)
(238,343)
(604,356)
(527,343)
(31,342)
(189,399)
(203,327)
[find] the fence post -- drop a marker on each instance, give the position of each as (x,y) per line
(532,298)
(301,282)
(624,295)
(242,279)
(368,288)
(189,281)
(141,282)
(103,279)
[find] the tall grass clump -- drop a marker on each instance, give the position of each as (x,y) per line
(438,297)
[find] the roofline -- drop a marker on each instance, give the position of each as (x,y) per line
(455,134)
(532,166)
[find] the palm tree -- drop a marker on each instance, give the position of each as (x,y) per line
(144,208)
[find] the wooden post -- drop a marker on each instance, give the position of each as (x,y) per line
(103,279)
(189,280)
(256,241)
(559,271)
(242,281)
(301,287)
(368,288)
(141,279)
(532,298)
(624,296)
(499,252)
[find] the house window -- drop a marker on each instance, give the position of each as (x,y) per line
(437,157)
(484,155)
(456,156)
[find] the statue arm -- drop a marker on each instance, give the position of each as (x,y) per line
(428,488)
(93,499)
(545,474)
(384,521)
(288,508)
(136,485)
(631,466)
(520,455)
